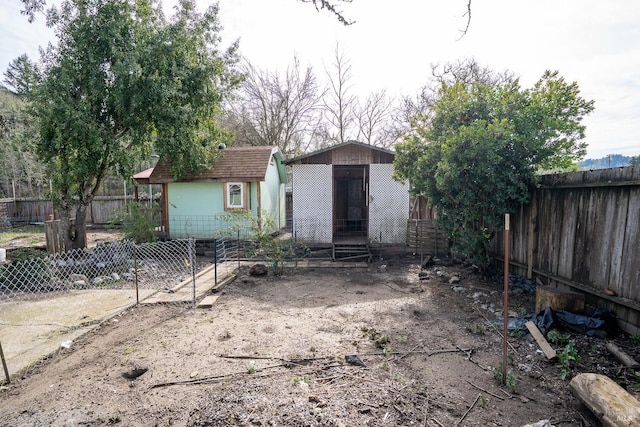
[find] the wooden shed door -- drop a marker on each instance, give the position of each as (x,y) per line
(350,201)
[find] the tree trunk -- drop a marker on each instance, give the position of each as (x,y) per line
(80,228)
(74,229)
(612,404)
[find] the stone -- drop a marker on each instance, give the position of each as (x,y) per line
(258,270)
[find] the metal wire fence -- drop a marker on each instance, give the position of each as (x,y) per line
(117,265)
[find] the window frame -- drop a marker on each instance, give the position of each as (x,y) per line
(227,196)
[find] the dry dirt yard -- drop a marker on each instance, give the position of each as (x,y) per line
(375,346)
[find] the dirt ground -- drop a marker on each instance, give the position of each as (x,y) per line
(387,345)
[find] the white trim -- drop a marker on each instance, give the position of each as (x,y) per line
(227,189)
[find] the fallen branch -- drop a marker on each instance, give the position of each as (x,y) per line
(296,361)
(214,378)
(470,359)
(486,391)
(235,375)
(499,333)
(468,410)
(437,422)
(620,354)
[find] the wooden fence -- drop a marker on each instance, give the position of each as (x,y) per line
(581,232)
(424,237)
(101,210)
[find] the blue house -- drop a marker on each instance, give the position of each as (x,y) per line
(243,180)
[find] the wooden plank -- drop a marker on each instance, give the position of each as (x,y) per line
(531,234)
(613,405)
(618,205)
(630,280)
(567,237)
(208,301)
(542,342)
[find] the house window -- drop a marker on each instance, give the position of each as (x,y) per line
(234,195)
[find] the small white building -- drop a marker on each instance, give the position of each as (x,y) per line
(345,196)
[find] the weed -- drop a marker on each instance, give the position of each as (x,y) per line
(402,339)
(114,419)
(380,339)
(635,339)
(511,378)
(386,351)
(131,350)
(557,338)
(251,369)
(483,401)
(594,348)
(569,357)
(138,223)
(517,333)
(305,379)
(385,366)
(475,328)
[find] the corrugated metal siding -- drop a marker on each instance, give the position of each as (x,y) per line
(313,203)
(388,205)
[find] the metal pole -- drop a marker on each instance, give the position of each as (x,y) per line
(238,248)
(4,365)
(215,262)
(505,314)
(192,246)
(135,269)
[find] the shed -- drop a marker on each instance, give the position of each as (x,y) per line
(242,180)
(345,196)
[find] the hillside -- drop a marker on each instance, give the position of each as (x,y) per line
(610,161)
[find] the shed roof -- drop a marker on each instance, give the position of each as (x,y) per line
(235,163)
(143,177)
(322,154)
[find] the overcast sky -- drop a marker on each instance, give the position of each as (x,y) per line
(394,42)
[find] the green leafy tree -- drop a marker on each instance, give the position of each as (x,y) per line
(477,150)
(122,81)
(634,161)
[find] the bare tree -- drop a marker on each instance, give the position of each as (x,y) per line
(274,109)
(340,104)
(415,110)
(373,119)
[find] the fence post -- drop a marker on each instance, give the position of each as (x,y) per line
(505,307)
(215,262)
(192,261)
(4,365)
(135,271)
(238,248)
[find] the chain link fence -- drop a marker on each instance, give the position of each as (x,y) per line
(117,265)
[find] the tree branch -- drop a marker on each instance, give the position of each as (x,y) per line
(331,7)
